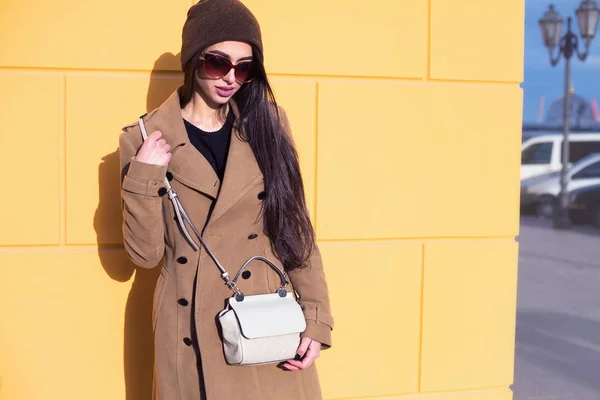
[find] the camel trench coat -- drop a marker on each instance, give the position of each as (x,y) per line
(189,359)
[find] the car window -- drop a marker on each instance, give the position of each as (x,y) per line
(591,171)
(579,150)
(539,153)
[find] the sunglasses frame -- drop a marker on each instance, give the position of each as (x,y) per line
(232,66)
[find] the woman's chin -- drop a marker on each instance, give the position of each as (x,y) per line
(220,100)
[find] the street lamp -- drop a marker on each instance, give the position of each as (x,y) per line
(551,25)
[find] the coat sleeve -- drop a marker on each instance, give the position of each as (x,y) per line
(143,227)
(313,294)
(311,285)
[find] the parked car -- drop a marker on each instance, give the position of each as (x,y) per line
(540,193)
(584,205)
(543,154)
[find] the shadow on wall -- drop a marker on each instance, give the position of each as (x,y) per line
(138,338)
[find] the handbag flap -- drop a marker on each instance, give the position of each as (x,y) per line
(265,315)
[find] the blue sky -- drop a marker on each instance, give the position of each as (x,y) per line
(543,80)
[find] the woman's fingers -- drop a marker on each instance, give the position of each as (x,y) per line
(309,358)
(304,343)
(290,367)
(295,364)
(155,150)
(154,136)
(308,351)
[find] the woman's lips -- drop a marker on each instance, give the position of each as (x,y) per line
(224,91)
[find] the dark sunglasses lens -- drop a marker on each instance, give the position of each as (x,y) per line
(245,71)
(215,66)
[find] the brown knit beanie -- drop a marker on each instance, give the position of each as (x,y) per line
(213,21)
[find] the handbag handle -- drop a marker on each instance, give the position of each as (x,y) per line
(284,281)
(183,217)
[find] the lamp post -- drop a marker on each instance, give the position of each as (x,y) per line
(551,25)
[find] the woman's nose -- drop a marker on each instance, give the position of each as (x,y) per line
(230,77)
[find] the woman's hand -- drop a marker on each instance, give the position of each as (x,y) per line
(308,351)
(154,150)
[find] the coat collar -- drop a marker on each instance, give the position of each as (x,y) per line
(190,167)
(187,164)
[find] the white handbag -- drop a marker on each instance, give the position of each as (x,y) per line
(262,328)
(257,329)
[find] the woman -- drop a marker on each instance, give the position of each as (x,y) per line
(226,148)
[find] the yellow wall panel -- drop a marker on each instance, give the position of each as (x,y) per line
(471,186)
(421,161)
(98,106)
(337,37)
(375,297)
(30,145)
(109,34)
(469,305)
(477,40)
(63,321)
(299,99)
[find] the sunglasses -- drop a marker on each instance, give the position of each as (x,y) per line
(217,66)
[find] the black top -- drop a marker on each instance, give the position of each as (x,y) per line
(214,146)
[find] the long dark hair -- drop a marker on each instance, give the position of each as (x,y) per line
(285,216)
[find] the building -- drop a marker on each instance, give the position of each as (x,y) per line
(583,117)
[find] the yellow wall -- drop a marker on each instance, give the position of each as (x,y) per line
(407,117)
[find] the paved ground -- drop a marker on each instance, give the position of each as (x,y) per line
(558,318)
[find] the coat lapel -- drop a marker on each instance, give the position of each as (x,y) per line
(190,167)
(241,172)
(187,164)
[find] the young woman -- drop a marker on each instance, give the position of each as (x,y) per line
(226,148)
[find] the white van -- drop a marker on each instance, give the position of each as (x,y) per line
(543,154)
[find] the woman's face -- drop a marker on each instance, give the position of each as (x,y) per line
(214,88)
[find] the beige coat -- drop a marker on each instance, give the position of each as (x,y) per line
(190,292)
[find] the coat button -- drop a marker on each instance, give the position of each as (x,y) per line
(182,260)
(169,176)
(262,195)
(187,341)
(162,191)
(182,302)
(253,236)
(246,274)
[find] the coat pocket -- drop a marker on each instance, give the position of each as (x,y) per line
(159,293)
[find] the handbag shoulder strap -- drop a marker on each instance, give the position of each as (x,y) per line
(183,217)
